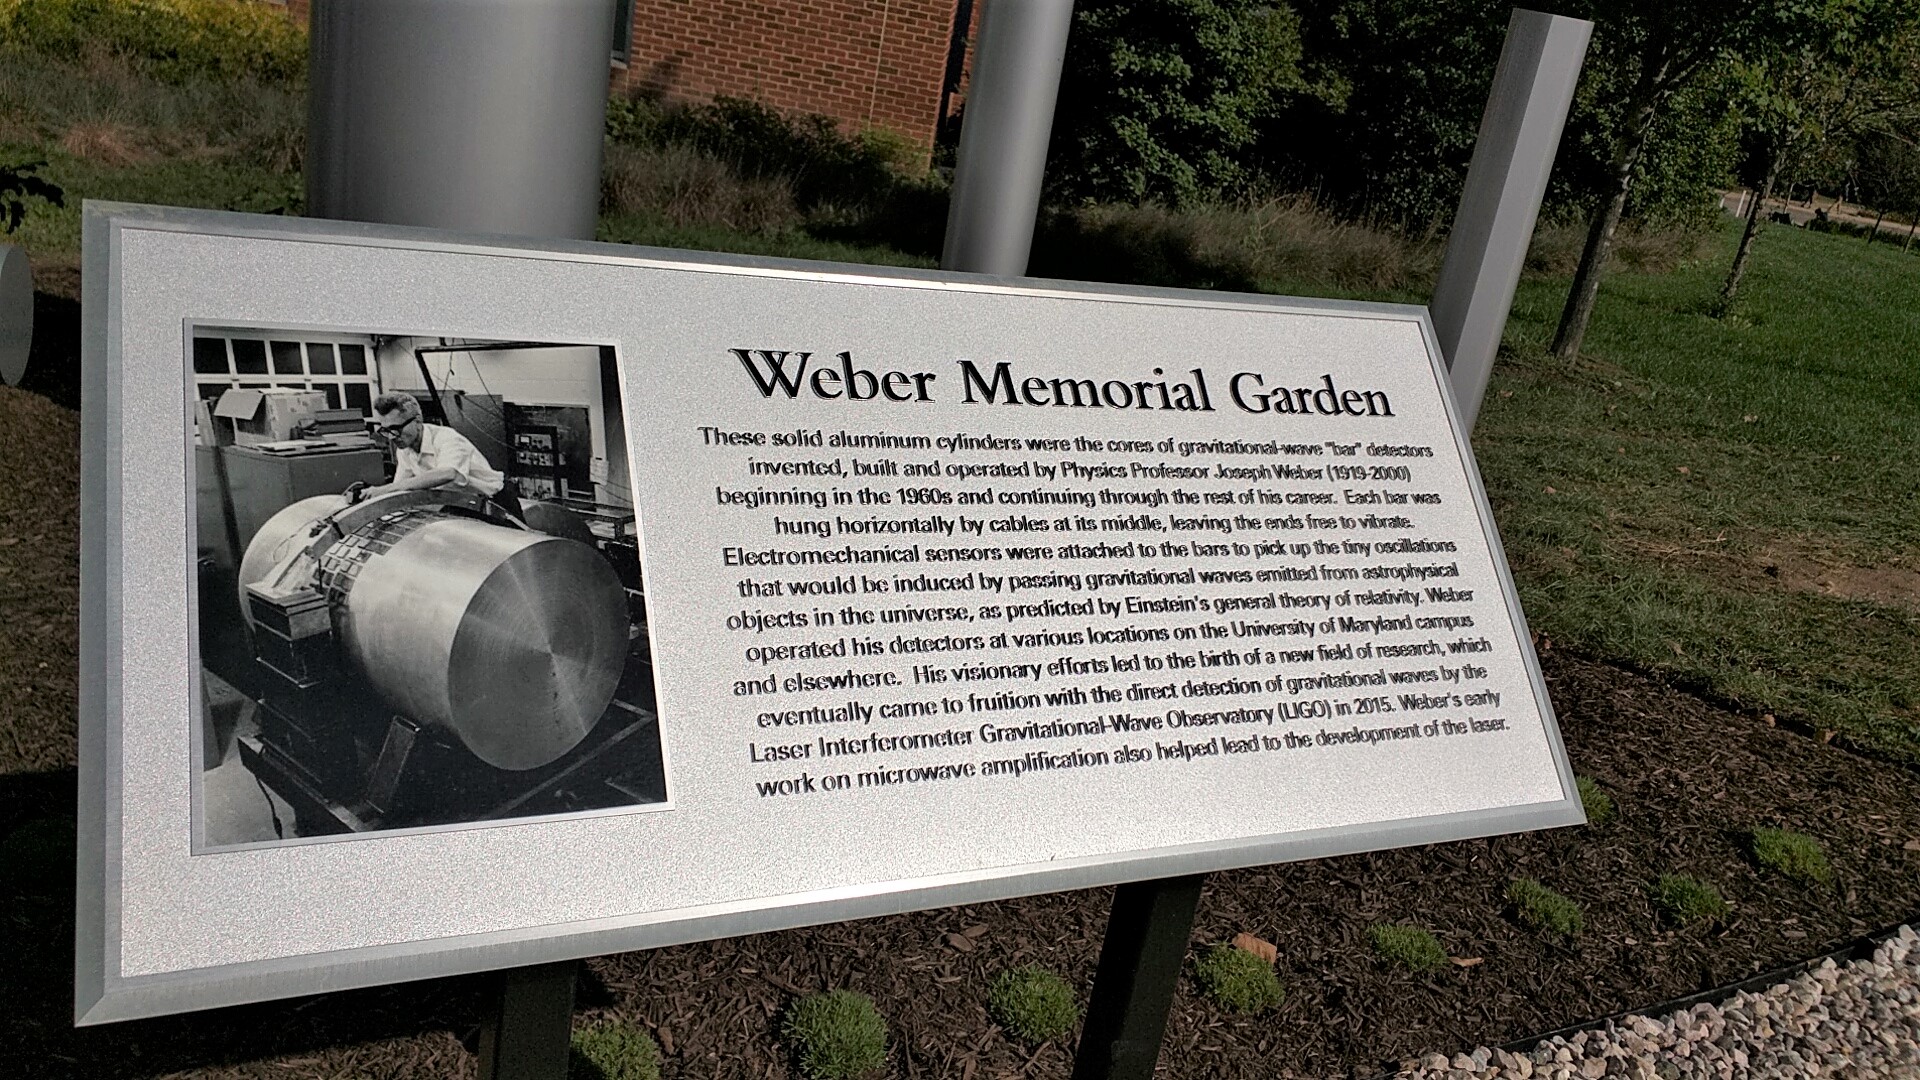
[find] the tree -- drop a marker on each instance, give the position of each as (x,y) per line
(1855,68)
(1161,99)
(1402,86)
(1666,47)
(1887,165)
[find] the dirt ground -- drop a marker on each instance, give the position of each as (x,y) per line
(1688,778)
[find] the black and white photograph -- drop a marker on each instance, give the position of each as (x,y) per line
(420,601)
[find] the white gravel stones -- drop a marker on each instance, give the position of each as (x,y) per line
(1857,1021)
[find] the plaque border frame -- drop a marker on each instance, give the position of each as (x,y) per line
(102,994)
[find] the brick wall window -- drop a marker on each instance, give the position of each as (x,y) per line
(622,31)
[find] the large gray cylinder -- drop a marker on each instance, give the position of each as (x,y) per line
(480,115)
(510,641)
(1002,157)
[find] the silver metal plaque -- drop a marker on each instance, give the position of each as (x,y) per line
(698,595)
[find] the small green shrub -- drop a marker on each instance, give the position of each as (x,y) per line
(837,1035)
(1542,908)
(1409,946)
(1238,979)
(1594,800)
(1795,855)
(1687,899)
(1033,1003)
(182,39)
(613,1051)
(18,184)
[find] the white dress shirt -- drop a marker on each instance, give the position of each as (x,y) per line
(445,448)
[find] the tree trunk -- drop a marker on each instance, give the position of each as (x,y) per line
(1593,258)
(1745,250)
(1875,231)
(1911,225)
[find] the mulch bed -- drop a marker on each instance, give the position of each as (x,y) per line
(1688,779)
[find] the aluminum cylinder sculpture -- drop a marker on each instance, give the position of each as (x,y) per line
(482,115)
(510,641)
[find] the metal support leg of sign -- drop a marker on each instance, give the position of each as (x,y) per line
(529,1029)
(1519,133)
(16,314)
(419,115)
(1140,958)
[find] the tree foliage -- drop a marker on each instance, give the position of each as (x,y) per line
(1404,83)
(1886,166)
(1161,100)
(18,184)
(1840,69)
(1665,49)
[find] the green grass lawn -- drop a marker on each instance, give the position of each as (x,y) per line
(1729,502)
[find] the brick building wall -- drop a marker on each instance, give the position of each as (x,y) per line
(866,63)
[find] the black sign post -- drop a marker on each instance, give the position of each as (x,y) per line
(528,1029)
(1146,942)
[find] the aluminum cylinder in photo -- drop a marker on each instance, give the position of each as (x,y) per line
(478,115)
(512,641)
(279,536)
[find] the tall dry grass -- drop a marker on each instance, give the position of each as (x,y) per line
(687,187)
(1279,244)
(1643,248)
(107,107)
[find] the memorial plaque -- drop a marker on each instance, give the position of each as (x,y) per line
(944,589)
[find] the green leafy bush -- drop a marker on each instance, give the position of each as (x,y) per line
(1542,908)
(182,39)
(1161,99)
(1687,899)
(1238,979)
(1594,800)
(18,184)
(837,1035)
(1410,946)
(1033,1003)
(613,1051)
(1795,855)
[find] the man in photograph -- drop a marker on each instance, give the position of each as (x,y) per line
(433,456)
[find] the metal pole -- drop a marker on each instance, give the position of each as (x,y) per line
(1003,137)
(1133,987)
(483,117)
(529,1031)
(1519,133)
(457,114)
